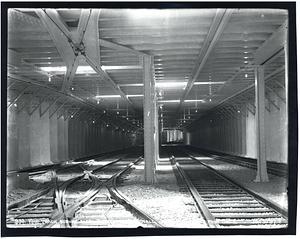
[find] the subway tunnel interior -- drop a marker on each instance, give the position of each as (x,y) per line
(85,82)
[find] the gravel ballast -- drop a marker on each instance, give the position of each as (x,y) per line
(164,201)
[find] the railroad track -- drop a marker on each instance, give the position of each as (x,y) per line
(223,203)
(68,210)
(276,169)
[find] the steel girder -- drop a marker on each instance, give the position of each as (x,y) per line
(275,93)
(42,113)
(267,97)
(18,97)
(65,110)
(58,108)
(30,113)
(32,97)
(90,51)
(262,175)
(221,18)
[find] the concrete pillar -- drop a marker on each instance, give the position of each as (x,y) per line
(228,137)
(23,134)
(251,137)
(66,137)
(79,138)
(35,134)
(243,136)
(12,133)
(149,120)
(45,135)
(61,139)
(71,139)
(230,146)
(156,130)
(53,138)
(94,138)
(223,137)
(262,175)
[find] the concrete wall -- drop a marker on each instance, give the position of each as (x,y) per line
(46,136)
(87,138)
(235,133)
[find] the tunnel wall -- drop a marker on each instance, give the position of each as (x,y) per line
(38,135)
(87,138)
(235,134)
(29,131)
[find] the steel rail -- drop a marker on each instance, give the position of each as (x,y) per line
(200,204)
(122,199)
(68,213)
(273,205)
(233,205)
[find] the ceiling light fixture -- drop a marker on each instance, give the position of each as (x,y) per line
(169,101)
(107,96)
(194,101)
(208,83)
(170,84)
(134,96)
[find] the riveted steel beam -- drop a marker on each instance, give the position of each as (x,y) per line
(72,114)
(31,98)
(65,111)
(18,97)
(118,47)
(58,108)
(149,120)
(267,97)
(8,87)
(236,107)
(79,114)
(60,34)
(50,106)
(221,18)
(275,93)
(280,84)
(71,48)
(30,113)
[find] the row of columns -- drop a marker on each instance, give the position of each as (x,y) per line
(88,138)
(37,135)
(233,132)
(33,138)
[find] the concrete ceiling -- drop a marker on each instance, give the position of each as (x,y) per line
(93,58)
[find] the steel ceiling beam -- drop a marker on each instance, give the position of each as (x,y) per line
(118,47)
(58,108)
(30,113)
(221,18)
(29,101)
(69,47)
(50,106)
(274,92)
(87,49)
(18,97)
(61,35)
(65,110)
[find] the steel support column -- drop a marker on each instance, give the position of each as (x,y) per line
(262,175)
(149,120)
(156,130)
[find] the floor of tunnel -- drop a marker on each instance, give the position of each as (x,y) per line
(164,201)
